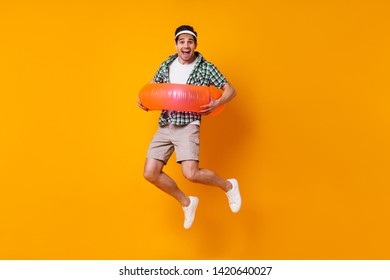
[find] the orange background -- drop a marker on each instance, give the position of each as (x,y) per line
(307,135)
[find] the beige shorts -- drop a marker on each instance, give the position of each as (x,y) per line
(184,140)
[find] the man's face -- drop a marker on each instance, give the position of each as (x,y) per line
(186,48)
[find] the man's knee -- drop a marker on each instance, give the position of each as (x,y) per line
(150,175)
(152,170)
(190,174)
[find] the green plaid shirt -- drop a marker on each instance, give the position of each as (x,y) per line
(204,74)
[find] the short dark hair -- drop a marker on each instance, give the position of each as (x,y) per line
(183,28)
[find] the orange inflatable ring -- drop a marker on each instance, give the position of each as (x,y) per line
(178,97)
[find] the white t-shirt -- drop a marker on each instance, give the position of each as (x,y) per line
(179,74)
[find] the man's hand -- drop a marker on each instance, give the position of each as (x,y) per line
(208,108)
(228,94)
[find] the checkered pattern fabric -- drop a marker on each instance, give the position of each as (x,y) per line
(204,74)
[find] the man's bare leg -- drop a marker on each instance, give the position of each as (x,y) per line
(193,173)
(154,174)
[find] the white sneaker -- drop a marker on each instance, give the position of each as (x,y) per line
(234,196)
(189,211)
